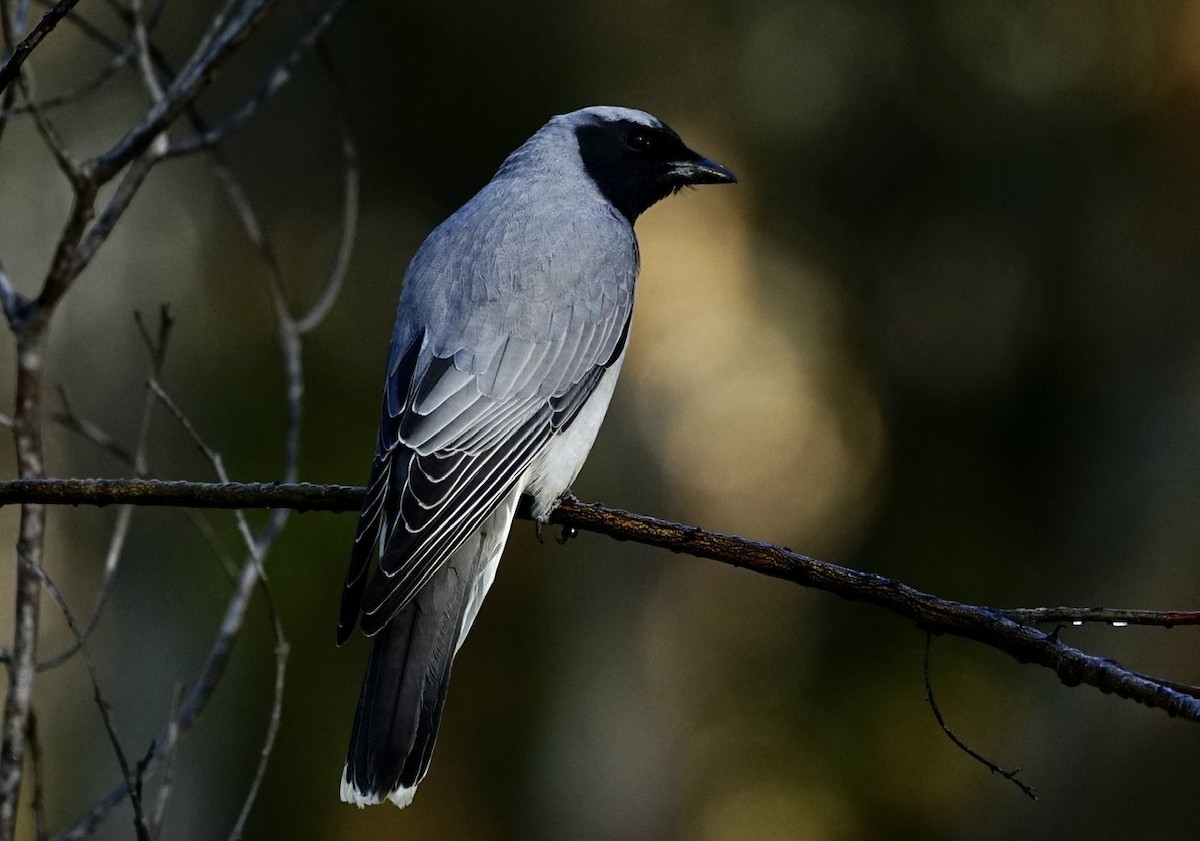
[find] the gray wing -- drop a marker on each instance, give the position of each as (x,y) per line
(469,403)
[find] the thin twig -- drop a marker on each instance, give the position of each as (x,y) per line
(158,817)
(12,66)
(210,674)
(275,80)
(132,784)
(213,457)
(130,183)
(202,525)
(350,200)
(1011,776)
(82,234)
(69,419)
(282,649)
(1117,617)
(256,548)
(157,349)
(50,136)
(11,301)
(145,63)
(85,88)
(122,54)
(195,703)
(9,26)
(221,40)
(63,267)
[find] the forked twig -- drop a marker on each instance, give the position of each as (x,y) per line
(157,349)
(132,781)
(83,233)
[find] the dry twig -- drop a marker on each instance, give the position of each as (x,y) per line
(85,230)
(1011,776)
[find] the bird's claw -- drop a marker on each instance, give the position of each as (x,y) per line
(567,533)
(566,496)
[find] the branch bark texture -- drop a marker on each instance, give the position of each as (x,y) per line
(1009,631)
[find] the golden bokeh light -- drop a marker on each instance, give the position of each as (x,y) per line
(765,425)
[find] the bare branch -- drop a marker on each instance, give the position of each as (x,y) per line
(82,235)
(85,88)
(980,623)
(11,68)
(63,265)
(350,198)
(168,768)
(282,649)
(1181,688)
(8,24)
(27,435)
(117,205)
(145,63)
(1117,617)
(987,625)
(221,40)
(11,300)
(68,418)
(157,349)
(193,706)
(50,135)
(132,784)
(256,548)
(179,494)
(275,80)
(202,525)
(123,53)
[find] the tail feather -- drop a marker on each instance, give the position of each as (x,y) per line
(404,691)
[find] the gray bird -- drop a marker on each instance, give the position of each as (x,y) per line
(510,333)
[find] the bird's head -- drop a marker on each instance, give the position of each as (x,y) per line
(636,159)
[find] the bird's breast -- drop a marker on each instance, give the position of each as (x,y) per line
(556,466)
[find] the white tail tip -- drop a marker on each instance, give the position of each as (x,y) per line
(352,794)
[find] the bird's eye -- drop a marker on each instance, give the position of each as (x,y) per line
(639,140)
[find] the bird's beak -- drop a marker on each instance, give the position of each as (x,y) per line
(701,170)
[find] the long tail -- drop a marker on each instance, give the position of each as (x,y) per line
(400,707)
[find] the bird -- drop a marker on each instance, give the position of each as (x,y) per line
(510,333)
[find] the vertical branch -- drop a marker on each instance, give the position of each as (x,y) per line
(84,232)
(27,435)
(29,321)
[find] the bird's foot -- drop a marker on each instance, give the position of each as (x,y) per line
(566,496)
(567,531)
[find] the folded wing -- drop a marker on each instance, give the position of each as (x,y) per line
(459,426)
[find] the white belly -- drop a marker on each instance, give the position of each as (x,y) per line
(555,467)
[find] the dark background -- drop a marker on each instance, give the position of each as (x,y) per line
(944,329)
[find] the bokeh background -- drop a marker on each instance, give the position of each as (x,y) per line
(945,329)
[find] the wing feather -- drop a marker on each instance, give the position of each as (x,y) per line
(467,407)
(411,558)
